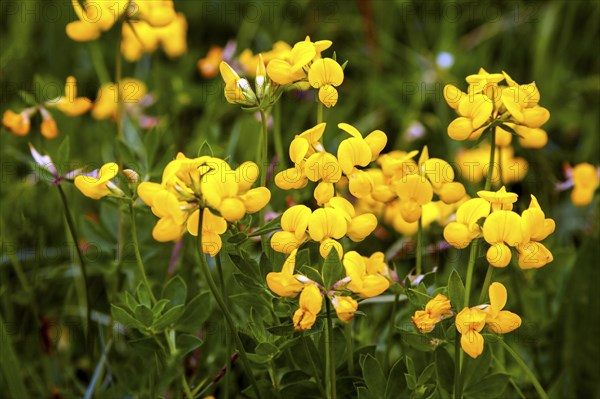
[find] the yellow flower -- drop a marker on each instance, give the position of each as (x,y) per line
(212,226)
(376,264)
(414,191)
(500,200)
(497,320)
(469,323)
(586,180)
(344,306)
(94,18)
(48,127)
(237,90)
(106,104)
(157,13)
(440,175)
(358,227)
(288,67)
(311,303)
(326,74)
(499,229)
(141,37)
(363,283)
(285,283)
(209,65)
(70,104)
(294,223)
(164,204)
(475,110)
(97,184)
(536,227)
(465,229)
(18,124)
(435,311)
(474,165)
(325,226)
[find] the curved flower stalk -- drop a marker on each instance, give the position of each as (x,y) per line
(506,108)
(204,184)
(471,321)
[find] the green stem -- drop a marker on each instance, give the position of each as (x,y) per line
(470,268)
(420,246)
(96,55)
(329,353)
(391,331)
(228,351)
(319,112)
(457,364)
(536,384)
(490,173)
(264,160)
(82,286)
(313,366)
(486,283)
(500,166)
(277,134)
(138,256)
(205,271)
(350,348)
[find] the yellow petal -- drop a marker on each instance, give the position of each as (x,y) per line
(323,193)
(344,306)
(325,71)
(167,230)
(311,299)
(472,343)
(376,140)
(452,95)
(503,226)
(227,72)
(373,286)
(535,117)
(301,54)
(232,209)
(531,138)
(81,31)
(292,178)
(504,322)
(326,223)
(323,165)
(328,95)
(353,152)
(499,255)
(451,193)
(328,245)
(256,199)
(285,242)
(533,255)
(360,183)
(457,235)
(361,226)
(460,128)
(295,219)
(498,296)
(298,149)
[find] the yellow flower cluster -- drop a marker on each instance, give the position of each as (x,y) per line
(503,229)
(436,310)
(69,104)
(470,321)
(299,66)
(365,277)
(586,179)
(204,184)
(512,108)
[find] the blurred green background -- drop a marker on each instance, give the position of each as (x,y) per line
(400,53)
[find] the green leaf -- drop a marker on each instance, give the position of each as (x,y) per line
(426,374)
(130,301)
(456,291)
(187,343)
(175,291)
(197,311)
(142,294)
(373,374)
(418,341)
(491,386)
(311,273)
(144,315)
(237,238)
(123,317)
(159,307)
(169,317)
(266,349)
(444,369)
(411,374)
(272,225)
(10,367)
(333,271)
(395,383)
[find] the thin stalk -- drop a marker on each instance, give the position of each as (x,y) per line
(329,353)
(391,331)
(420,246)
(89,392)
(490,173)
(470,268)
(96,55)
(277,134)
(486,283)
(264,160)
(84,280)
(536,384)
(457,363)
(228,319)
(500,166)
(138,256)
(350,348)
(313,366)
(273,373)
(228,350)
(319,112)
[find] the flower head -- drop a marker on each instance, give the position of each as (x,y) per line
(97,184)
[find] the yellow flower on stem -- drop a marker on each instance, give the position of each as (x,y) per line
(294,223)
(440,175)
(288,66)
(345,307)
(97,184)
(311,302)
(48,127)
(237,90)
(536,227)
(326,74)
(497,320)
(474,111)
(358,226)
(414,191)
(18,124)
(465,229)
(326,225)
(469,323)
(164,204)
(586,179)
(94,18)
(106,104)
(285,282)
(436,310)
(499,200)
(70,104)
(212,227)
(362,282)
(502,228)
(140,37)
